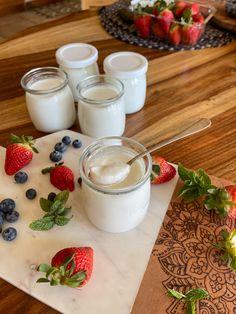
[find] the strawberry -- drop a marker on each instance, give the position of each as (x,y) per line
(222,200)
(61,177)
(198,18)
(179,8)
(157,30)
(174,34)
(143,25)
(190,34)
(162,171)
(165,18)
(71,266)
(195,8)
(19,153)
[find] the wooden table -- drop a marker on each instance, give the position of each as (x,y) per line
(182,87)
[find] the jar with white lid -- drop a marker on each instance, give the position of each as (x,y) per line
(49,99)
(101,109)
(122,206)
(78,60)
(130,68)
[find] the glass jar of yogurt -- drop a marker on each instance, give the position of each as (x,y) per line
(130,68)
(121,206)
(101,108)
(79,61)
(49,99)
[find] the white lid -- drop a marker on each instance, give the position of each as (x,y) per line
(76,55)
(125,64)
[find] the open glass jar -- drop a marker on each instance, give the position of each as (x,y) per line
(49,99)
(101,107)
(122,206)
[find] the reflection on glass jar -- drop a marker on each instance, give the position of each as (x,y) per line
(101,109)
(122,206)
(49,99)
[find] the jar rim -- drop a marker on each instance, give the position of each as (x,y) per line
(100,79)
(40,73)
(114,191)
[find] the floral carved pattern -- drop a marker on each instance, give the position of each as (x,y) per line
(186,255)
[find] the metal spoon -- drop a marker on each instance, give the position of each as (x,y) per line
(115,173)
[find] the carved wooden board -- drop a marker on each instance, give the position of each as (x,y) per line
(223,20)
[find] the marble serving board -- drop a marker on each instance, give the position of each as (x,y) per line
(120,260)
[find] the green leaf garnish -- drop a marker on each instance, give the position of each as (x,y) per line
(191,297)
(55,212)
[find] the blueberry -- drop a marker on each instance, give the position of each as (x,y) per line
(12,217)
(66,140)
(60,147)
(55,156)
(2,220)
(7,205)
(9,234)
(51,196)
(77,143)
(21,177)
(31,194)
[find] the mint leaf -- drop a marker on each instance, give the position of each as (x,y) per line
(57,206)
(175,294)
(196,294)
(63,196)
(61,220)
(190,307)
(45,204)
(43,224)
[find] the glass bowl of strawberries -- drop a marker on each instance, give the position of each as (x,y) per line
(175,22)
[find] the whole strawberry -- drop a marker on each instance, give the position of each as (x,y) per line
(19,153)
(143,25)
(61,177)
(70,266)
(162,171)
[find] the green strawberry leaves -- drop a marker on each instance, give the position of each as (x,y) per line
(29,140)
(191,297)
(62,275)
(156,171)
(228,247)
(56,212)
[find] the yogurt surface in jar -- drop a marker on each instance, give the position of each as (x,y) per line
(121,206)
(101,109)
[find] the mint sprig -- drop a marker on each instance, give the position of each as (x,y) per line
(191,297)
(56,212)
(196,183)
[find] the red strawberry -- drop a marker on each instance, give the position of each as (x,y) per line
(71,267)
(143,25)
(231,209)
(180,6)
(157,30)
(61,177)
(19,153)
(162,171)
(166,17)
(174,34)
(198,18)
(190,34)
(195,8)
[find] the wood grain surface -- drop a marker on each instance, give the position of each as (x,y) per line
(182,87)
(221,19)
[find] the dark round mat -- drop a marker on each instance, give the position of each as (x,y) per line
(125,31)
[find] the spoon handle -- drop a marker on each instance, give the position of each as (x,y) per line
(196,127)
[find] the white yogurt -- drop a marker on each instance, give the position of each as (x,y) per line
(78,60)
(101,109)
(130,68)
(121,206)
(49,99)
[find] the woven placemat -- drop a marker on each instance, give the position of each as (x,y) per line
(184,257)
(120,29)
